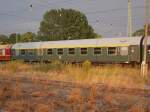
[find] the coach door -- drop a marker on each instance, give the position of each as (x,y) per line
(134,54)
(2,54)
(40,52)
(16,52)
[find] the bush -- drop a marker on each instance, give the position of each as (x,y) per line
(14,66)
(86,65)
(54,66)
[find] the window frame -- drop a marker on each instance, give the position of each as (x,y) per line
(29,52)
(73,51)
(23,53)
(2,52)
(58,51)
(99,53)
(47,52)
(86,51)
(125,53)
(114,54)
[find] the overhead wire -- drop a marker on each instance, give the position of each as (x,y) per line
(66,1)
(113,10)
(104,11)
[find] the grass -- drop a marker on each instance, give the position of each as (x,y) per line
(14,99)
(113,75)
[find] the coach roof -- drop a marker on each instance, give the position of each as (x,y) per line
(101,42)
(27,45)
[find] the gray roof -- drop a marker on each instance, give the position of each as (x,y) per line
(101,42)
(27,45)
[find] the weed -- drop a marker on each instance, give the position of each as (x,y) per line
(86,65)
(113,75)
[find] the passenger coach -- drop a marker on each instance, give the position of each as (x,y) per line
(103,50)
(5,53)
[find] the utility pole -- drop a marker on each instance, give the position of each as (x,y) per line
(129,28)
(144,65)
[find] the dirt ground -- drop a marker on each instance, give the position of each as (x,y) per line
(28,95)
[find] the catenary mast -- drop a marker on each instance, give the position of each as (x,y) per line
(144,66)
(129,28)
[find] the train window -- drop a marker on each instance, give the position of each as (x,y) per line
(2,52)
(123,51)
(31,52)
(22,52)
(148,49)
(71,51)
(97,51)
(49,52)
(112,50)
(83,51)
(60,51)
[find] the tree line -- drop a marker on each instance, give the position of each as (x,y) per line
(14,38)
(141,32)
(60,24)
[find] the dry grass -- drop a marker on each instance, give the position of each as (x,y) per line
(18,106)
(137,108)
(13,98)
(75,98)
(113,75)
(43,108)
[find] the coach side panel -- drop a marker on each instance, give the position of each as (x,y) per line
(94,54)
(5,54)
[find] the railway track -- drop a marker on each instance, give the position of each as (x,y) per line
(70,96)
(100,87)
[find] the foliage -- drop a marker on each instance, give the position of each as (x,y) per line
(98,36)
(64,24)
(3,39)
(13,38)
(13,66)
(28,37)
(61,24)
(41,38)
(140,32)
(54,66)
(113,75)
(87,65)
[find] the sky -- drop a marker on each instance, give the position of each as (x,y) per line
(107,17)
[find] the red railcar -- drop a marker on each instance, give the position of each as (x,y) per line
(5,53)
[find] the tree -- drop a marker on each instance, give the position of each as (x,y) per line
(27,37)
(65,24)
(140,32)
(14,38)
(3,39)
(98,36)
